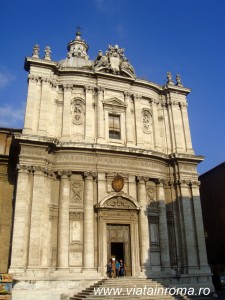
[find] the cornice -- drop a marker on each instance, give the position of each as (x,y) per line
(39,62)
(181,157)
(175,88)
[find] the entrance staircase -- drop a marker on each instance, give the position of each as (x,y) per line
(125,288)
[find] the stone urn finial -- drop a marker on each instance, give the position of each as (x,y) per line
(169,78)
(36,51)
(47,53)
(178,79)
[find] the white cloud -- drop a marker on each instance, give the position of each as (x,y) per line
(121,31)
(11,116)
(5,78)
(105,6)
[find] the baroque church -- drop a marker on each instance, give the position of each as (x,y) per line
(106,170)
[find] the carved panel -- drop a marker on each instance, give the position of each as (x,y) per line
(78,111)
(75,231)
(147,121)
(77,188)
(151,193)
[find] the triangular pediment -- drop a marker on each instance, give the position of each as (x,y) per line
(114,102)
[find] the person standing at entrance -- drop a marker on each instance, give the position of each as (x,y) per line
(122,268)
(109,268)
(117,268)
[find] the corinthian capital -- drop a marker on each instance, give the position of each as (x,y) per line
(24,169)
(100,90)
(67,87)
(90,175)
(64,173)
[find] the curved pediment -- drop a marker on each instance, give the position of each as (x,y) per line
(118,201)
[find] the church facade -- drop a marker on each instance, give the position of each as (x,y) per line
(106,170)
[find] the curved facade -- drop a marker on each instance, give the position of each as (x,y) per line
(106,169)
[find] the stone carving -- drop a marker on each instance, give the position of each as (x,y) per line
(77,111)
(47,53)
(147,121)
(119,203)
(76,189)
(114,62)
(76,215)
(36,51)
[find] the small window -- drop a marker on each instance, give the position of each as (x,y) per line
(114,127)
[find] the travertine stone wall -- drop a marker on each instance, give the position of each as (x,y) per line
(66,194)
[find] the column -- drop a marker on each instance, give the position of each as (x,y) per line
(88,245)
(37,217)
(129,120)
(102,189)
(100,116)
(143,225)
(168,138)
(33,104)
(156,129)
(177,125)
(163,228)
(44,108)
(63,224)
(203,261)
(139,120)
(66,124)
(46,232)
(189,227)
(186,128)
(172,135)
(132,187)
(177,226)
(20,243)
(90,115)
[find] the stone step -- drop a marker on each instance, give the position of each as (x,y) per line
(123,286)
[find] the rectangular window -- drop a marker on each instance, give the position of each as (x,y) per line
(114,127)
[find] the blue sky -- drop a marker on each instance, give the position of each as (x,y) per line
(185,37)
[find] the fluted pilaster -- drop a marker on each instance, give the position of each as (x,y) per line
(88,248)
(63,224)
(163,228)
(143,224)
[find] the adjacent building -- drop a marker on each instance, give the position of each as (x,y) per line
(8,160)
(212,191)
(106,169)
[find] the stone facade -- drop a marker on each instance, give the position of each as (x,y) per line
(105,158)
(8,160)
